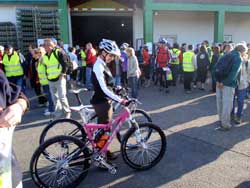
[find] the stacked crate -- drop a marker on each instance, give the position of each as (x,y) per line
(8,34)
(36,23)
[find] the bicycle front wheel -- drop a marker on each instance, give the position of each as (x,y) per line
(140,116)
(140,151)
(65,165)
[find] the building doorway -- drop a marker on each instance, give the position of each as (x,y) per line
(94,28)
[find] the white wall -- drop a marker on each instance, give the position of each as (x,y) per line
(137,25)
(8,14)
(190,27)
(238,25)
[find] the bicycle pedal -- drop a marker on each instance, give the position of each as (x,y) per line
(112,168)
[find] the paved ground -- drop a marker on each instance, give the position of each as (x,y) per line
(197,156)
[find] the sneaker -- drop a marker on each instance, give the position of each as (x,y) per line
(194,86)
(46,110)
(188,92)
(233,117)
(237,120)
(48,113)
(223,128)
(40,105)
(167,91)
(68,115)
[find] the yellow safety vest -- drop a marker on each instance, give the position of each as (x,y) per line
(83,57)
(12,66)
(53,66)
(41,70)
(188,61)
(175,52)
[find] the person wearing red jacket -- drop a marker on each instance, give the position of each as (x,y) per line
(90,60)
(162,59)
(146,65)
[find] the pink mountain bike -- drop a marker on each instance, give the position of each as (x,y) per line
(67,159)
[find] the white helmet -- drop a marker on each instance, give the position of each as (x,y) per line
(110,47)
(124,45)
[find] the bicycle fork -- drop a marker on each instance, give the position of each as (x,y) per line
(137,132)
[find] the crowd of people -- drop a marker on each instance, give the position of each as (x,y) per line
(50,68)
(165,65)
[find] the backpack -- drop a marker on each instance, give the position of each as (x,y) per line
(67,61)
(223,67)
(162,56)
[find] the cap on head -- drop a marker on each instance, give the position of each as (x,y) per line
(7,46)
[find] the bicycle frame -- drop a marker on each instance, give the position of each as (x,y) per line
(90,128)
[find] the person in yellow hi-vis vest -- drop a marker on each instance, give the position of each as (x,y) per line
(189,66)
(12,66)
(175,62)
(41,70)
(56,67)
(82,68)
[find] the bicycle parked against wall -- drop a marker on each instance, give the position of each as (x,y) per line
(68,159)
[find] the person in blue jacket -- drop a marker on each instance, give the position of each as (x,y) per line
(225,88)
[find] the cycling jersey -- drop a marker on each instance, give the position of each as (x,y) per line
(102,81)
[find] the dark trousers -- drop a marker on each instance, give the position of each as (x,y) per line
(17,80)
(213,85)
(124,79)
(161,76)
(41,98)
(104,112)
(175,72)
(188,78)
(82,75)
(146,70)
(46,91)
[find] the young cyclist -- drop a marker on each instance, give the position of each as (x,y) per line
(102,81)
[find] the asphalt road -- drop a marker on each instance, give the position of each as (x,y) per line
(197,155)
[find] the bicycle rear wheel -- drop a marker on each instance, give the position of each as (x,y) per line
(140,151)
(66,164)
(59,127)
(140,116)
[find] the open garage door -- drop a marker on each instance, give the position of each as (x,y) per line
(93,28)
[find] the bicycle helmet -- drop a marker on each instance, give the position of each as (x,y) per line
(110,47)
(163,41)
(124,45)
